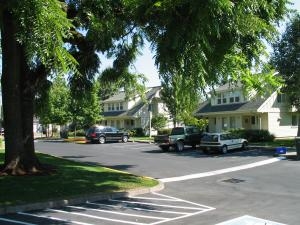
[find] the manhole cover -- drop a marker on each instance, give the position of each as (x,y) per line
(233,180)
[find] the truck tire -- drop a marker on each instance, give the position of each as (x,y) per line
(179,146)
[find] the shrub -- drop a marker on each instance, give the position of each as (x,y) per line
(254,135)
(136,132)
(78,133)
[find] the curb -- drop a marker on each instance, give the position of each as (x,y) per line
(79,200)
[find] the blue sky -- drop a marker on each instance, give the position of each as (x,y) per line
(145,62)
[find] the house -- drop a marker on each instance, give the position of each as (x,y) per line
(229,108)
(133,113)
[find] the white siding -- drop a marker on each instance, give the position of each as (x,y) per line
(280,125)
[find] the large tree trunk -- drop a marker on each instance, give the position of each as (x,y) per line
(17,98)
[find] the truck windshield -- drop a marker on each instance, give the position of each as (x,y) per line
(177,131)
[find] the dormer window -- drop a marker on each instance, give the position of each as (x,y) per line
(227,98)
(281,98)
(118,106)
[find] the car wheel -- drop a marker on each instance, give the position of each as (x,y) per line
(244,146)
(224,149)
(102,140)
(179,146)
(124,139)
(164,148)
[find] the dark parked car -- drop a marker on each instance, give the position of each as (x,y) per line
(102,134)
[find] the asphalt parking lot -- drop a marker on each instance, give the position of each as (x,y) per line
(250,187)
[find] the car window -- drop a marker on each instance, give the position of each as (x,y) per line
(114,129)
(98,129)
(108,129)
(210,137)
(223,137)
(189,130)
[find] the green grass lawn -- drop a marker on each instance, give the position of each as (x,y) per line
(142,139)
(71,180)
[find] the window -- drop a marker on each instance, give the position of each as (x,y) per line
(231,99)
(224,100)
(112,107)
(219,100)
(232,122)
(224,123)
(121,106)
(108,107)
(237,98)
(252,120)
(281,98)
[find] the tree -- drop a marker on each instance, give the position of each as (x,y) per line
(159,121)
(42,38)
(180,100)
(21,23)
(85,108)
(200,38)
(286,59)
(52,106)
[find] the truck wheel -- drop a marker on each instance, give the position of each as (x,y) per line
(224,149)
(179,146)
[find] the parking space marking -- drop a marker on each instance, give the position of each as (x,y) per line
(153,204)
(150,209)
(139,209)
(16,221)
(53,218)
(119,213)
(218,172)
(95,217)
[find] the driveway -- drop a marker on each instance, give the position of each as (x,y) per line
(250,187)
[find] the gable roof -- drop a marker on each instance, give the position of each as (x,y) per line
(151,93)
(206,108)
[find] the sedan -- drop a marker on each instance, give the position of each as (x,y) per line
(102,134)
(221,142)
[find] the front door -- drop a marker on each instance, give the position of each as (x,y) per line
(246,122)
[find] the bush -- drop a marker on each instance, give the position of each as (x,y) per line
(164,131)
(78,133)
(136,132)
(254,135)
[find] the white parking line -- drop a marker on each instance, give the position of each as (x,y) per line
(16,221)
(53,218)
(119,213)
(153,204)
(218,172)
(139,209)
(96,217)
